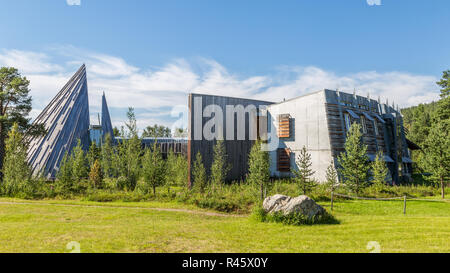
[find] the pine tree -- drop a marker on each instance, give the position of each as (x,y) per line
(15,168)
(93,154)
(96,176)
(258,167)
(107,157)
(438,154)
(80,169)
(332,177)
(171,169)
(181,171)
(219,167)
(354,162)
(64,182)
(380,172)
(153,169)
(15,107)
(304,172)
(199,174)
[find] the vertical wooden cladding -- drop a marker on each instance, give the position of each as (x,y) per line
(284,126)
(237,150)
(284,160)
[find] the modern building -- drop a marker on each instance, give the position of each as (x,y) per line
(66,120)
(317,121)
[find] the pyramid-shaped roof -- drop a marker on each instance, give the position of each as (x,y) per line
(106,119)
(66,120)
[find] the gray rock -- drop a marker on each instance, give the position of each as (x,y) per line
(287,205)
(275,203)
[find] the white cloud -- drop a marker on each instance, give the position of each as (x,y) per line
(28,62)
(73,2)
(155,91)
(374,2)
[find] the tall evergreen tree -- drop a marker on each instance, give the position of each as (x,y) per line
(199,174)
(219,167)
(304,172)
(332,177)
(15,107)
(80,164)
(438,154)
(379,172)
(258,167)
(107,157)
(65,180)
(15,168)
(153,169)
(93,154)
(354,162)
(437,148)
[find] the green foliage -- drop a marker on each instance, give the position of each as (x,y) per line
(304,172)
(354,162)
(96,175)
(199,174)
(15,106)
(219,167)
(80,164)
(107,157)
(93,154)
(438,154)
(180,132)
(332,177)
(293,219)
(176,170)
(380,172)
(65,181)
(15,167)
(153,169)
(258,167)
(156,131)
(444,83)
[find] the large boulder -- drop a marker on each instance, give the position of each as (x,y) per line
(288,205)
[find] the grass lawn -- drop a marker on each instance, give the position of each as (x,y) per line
(136,227)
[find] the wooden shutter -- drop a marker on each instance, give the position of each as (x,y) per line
(284,160)
(284,126)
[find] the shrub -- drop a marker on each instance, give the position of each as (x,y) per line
(96,175)
(219,167)
(153,169)
(16,173)
(294,219)
(64,182)
(380,172)
(199,174)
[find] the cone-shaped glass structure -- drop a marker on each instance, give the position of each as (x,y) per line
(66,120)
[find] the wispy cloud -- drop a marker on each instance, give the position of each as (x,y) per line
(154,92)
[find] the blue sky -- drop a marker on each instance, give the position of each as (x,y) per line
(150,54)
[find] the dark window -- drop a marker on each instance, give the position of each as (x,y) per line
(284,160)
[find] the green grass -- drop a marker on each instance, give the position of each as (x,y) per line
(133,227)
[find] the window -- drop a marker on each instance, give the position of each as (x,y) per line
(284,160)
(363,124)
(284,126)
(375,124)
(348,123)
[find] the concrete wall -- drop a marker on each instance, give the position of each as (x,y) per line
(309,128)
